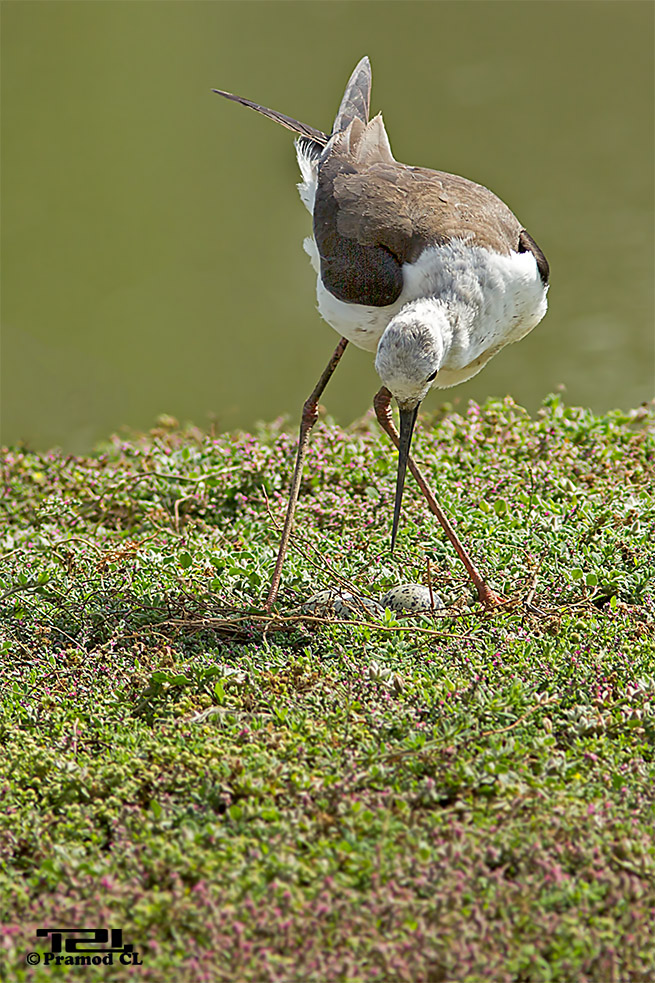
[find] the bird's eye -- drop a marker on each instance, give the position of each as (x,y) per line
(432,377)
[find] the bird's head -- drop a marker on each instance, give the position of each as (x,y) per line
(409,356)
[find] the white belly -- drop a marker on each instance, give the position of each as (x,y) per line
(489,300)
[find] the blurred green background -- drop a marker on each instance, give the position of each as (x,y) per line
(152,258)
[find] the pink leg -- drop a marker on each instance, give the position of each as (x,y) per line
(308,419)
(488,597)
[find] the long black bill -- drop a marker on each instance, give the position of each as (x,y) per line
(407,421)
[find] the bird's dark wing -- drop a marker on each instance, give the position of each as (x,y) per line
(373,214)
(357,266)
(356,100)
(354,105)
(528,245)
(291,124)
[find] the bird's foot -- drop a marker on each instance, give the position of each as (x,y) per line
(492,601)
(489,598)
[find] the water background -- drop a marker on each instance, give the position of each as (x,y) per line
(152,258)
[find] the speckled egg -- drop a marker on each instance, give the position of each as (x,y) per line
(342,605)
(412,599)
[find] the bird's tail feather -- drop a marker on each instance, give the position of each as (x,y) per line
(291,124)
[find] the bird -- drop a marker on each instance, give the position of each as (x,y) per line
(429,271)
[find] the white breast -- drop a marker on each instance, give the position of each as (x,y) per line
(490,301)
